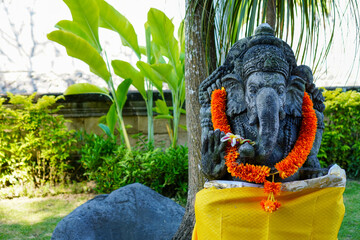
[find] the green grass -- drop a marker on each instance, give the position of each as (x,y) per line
(36,218)
(350,227)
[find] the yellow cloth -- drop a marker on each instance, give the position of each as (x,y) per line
(235,213)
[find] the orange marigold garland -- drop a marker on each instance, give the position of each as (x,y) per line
(218,110)
(251,173)
(272,189)
(304,143)
(269,205)
(246,172)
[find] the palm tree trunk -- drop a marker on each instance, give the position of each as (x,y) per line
(208,36)
(271,13)
(196,70)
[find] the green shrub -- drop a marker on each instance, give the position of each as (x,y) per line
(34,142)
(340,142)
(93,148)
(112,167)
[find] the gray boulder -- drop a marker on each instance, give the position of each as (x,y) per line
(133,212)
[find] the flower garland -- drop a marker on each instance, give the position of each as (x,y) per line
(254,173)
(304,143)
(271,188)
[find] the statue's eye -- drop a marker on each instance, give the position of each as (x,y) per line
(281,90)
(252,90)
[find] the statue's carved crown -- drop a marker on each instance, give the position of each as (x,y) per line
(262,52)
(266,62)
(265,54)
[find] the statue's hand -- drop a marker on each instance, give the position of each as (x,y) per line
(247,151)
(212,155)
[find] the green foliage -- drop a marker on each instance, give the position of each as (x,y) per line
(170,72)
(81,39)
(111,19)
(93,148)
(85,88)
(77,47)
(34,142)
(112,166)
(165,64)
(340,142)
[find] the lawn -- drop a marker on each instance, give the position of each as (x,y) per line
(36,218)
(350,227)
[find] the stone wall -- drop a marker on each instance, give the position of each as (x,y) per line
(85,110)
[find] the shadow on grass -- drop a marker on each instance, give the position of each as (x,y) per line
(39,231)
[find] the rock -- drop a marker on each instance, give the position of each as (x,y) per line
(133,212)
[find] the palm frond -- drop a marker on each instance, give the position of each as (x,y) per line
(307,25)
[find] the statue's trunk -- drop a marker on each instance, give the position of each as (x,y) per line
(268,107)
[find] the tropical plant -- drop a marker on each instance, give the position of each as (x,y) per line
(125,70)
(165,64)
(80,37)
(170,72)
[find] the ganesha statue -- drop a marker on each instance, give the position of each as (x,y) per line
(265,111)
(262,124)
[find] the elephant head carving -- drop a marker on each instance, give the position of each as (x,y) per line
(265,89)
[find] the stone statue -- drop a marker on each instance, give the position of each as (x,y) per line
(265,90)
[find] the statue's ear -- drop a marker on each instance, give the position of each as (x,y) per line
(235,94)
(316,95)
(305,73)
(294,96)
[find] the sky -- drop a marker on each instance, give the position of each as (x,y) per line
(51,69)
(30,62)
